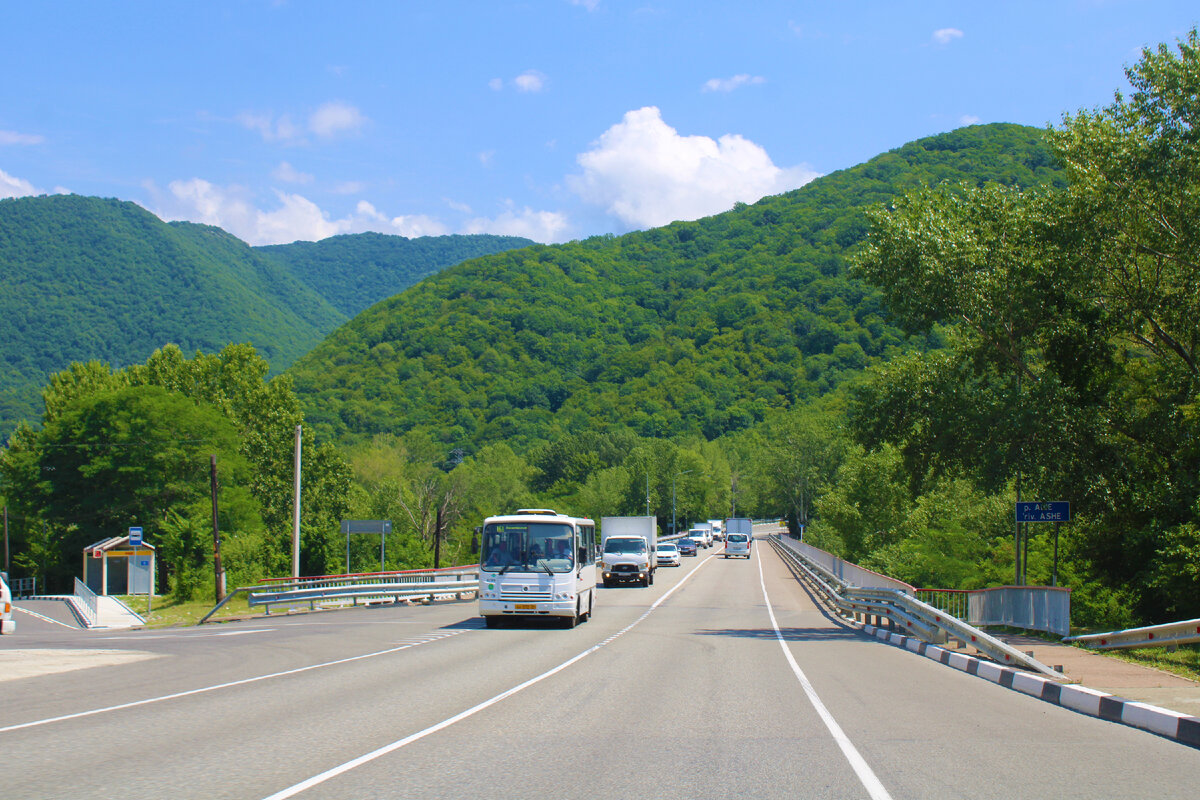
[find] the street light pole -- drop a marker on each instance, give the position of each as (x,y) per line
(676,475)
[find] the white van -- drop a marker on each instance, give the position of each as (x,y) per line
(737,544)
(7,623)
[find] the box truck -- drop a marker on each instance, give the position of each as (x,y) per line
(628,550)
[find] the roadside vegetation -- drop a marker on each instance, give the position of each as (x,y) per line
(887,357)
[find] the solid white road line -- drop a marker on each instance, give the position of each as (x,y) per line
(865,774)
(295,789)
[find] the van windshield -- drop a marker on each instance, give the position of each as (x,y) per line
(624,546)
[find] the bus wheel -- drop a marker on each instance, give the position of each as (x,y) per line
(571,621)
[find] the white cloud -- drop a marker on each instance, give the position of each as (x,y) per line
(328,121)
(729,84)
(288,174)
(590,5)
(969,119)
(643,172)
(486,157)
(334,119)
(12,137)
(294,218)
(947,35)
(350,187)
(496,84)
(11,186)
(530,81)
(541,226)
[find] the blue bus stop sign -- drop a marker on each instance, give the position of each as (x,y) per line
(135,537)
(1052,511)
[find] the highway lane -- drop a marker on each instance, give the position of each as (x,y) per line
(695,700)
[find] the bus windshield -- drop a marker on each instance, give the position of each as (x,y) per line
(527,547)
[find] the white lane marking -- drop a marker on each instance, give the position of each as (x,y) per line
(865,774)
(206,689)
(44,618)
(296,789)
(204,635)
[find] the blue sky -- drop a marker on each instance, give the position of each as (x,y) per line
(551,119)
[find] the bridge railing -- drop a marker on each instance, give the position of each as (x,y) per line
(86,603)
(1034,608)
(902,611)
(1168,635)
(421,584)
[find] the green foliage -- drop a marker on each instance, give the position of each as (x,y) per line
(133,446)
(697,329)
(86,279)
(1070,367)
(355,271)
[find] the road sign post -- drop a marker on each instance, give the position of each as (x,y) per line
(1056,511)
(380,526)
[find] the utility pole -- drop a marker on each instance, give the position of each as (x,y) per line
(437,539)
(296,513)
(218,573)
(6,538)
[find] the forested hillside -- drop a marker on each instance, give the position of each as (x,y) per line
(355,271)
(84,278)
(700,328)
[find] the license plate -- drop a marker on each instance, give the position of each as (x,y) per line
(525,606)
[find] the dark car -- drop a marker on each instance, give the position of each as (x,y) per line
(687,547)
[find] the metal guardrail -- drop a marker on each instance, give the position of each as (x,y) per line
(23,587)
(407,584)
(87,604)
(1035,608)
(904,612)
(1167,635)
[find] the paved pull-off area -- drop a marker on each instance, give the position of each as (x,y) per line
(1112,675)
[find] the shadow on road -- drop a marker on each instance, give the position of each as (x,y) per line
(788,634)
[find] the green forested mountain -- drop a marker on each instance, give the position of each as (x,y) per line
(355,271)
(699,327)
(84,278)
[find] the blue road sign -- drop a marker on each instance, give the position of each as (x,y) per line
(135,537)
(1052,511)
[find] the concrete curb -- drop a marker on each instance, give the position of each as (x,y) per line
(1161,721)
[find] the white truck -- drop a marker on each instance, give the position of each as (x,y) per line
(705,529)
(739,536)
(628,550)
(7,623)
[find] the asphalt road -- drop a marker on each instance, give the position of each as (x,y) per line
(680,690)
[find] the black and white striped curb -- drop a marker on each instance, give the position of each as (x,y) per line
(1164,722)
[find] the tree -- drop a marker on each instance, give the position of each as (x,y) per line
(138,455)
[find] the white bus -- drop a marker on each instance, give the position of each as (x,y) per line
(537,563)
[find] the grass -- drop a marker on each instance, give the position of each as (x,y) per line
(168,612)
(1184,662)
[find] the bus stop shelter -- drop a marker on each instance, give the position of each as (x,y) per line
(113,566)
